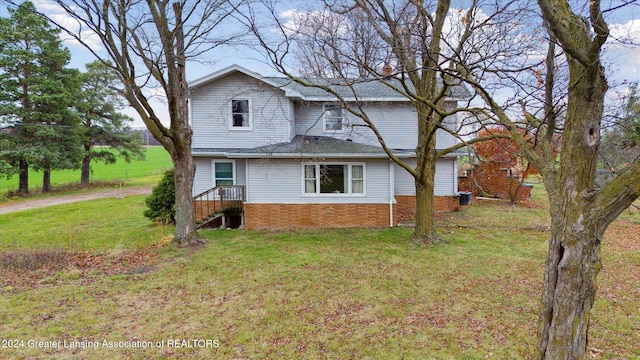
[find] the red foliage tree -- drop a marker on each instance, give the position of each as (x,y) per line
(502,168)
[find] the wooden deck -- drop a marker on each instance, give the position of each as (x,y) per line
(218,202)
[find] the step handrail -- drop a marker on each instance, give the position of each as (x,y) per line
(217,200)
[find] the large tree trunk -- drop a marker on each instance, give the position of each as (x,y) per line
(23,182)
(46,178)
(425,232)
(185,169)
(570,286)
(573,261)
(184,165)
(85,170)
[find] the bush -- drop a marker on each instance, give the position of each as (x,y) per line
(161,203)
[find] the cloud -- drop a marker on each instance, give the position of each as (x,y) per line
(322,23)
(622,52)
(628,33)
(68,23)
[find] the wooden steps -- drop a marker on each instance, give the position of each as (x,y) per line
(218,201)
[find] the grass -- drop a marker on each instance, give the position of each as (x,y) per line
(97,225)
(137,172)
(340,294)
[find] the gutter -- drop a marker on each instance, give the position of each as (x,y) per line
(310,155)
(213,153)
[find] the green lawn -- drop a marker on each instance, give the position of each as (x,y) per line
(144,172)
(339,294)
(98,225)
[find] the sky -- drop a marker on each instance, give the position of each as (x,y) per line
(622,62)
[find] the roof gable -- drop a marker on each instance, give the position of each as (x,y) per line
(349,90)
(227,71)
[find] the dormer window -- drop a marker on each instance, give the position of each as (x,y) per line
(240,114)
(332,119)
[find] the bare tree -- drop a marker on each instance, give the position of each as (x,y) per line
(556,89)
(404,45)
(148,44)
(580,210)
(331,44)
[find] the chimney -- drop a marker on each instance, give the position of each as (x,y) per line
(386,70)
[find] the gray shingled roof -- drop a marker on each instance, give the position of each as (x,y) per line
(315,145)
(308,146)
(364,88)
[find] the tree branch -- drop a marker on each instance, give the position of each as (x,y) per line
(610,201)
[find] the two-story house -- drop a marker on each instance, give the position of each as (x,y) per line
(303,160)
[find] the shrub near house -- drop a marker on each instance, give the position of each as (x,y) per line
(161,203)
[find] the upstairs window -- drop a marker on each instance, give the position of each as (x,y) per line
(332,118)
(240,114)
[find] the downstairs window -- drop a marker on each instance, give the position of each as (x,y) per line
(334,178)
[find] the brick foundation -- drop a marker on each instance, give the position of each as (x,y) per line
(310,216)
(406,206)
(295,216)
(496,183)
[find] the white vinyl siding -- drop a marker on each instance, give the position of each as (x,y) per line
(396,122)
(205,175)
(445,179)
(291,117)
(270,121)
(202,180)
(282,181)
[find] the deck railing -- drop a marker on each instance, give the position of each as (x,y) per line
(215,202)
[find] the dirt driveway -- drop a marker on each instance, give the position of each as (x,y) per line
(65,199)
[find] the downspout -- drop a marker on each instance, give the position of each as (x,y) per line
(246,180)
(391,193)
(246,190)
(455,176)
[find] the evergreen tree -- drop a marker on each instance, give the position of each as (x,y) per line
(36,91)
(620,142)
(161,205)
(102,123)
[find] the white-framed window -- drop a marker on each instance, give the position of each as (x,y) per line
(332,118)
(240,114)
(328,179)
(224,172)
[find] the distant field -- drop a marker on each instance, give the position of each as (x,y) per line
(146,172)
